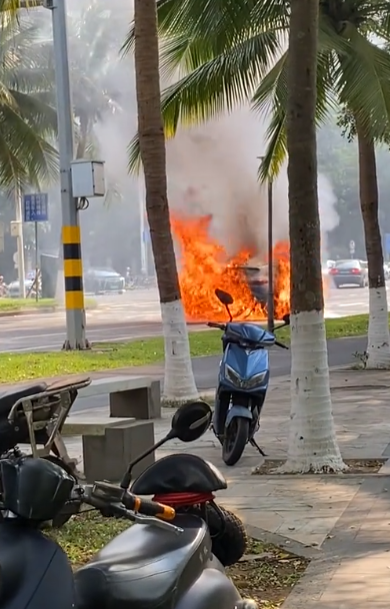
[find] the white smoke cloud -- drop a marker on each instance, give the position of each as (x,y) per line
(212,169)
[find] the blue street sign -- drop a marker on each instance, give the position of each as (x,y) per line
(36,207)
(387,243)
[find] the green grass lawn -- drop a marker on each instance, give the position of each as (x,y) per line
(23,366)
(18,304)
(9,305)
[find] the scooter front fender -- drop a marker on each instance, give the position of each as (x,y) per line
(238,411)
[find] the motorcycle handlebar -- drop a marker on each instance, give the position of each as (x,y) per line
(148,507)
(113,500)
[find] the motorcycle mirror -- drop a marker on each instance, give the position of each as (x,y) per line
(286,319)
(224,297)
(191,421)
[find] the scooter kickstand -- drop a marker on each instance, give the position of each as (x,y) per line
(255,445)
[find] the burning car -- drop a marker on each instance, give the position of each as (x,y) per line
(206,265)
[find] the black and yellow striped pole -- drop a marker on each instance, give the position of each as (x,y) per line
(74,290)
(74,297)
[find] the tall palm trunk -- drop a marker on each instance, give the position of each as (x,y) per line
(378,347)
(179,378)
(312,443)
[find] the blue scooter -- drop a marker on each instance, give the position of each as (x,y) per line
(242,382)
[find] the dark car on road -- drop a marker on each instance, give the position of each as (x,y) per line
(349,272)
(102,280)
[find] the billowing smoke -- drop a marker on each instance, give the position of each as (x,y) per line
(212,169)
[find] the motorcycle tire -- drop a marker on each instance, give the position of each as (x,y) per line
(228,535)
(235,440)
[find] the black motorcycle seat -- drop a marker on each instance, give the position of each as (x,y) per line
(145,567)
(10,397)
(179,473)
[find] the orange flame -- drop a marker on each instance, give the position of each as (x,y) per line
(205,266)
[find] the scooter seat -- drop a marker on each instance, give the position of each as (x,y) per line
(10,397)
(145,567)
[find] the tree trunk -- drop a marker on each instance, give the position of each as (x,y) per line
(312,443)
(378,349)
(179,378)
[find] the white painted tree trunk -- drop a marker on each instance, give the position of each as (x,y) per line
(179,381)
(378,345)
(312,443)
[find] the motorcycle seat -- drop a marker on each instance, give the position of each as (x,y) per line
(10,397)
(145,567)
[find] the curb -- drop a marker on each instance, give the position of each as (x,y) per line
(281,541)
(37,311)
(32,311)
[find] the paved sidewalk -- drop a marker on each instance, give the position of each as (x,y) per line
(342,522)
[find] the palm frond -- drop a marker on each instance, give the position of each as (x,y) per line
(362,82)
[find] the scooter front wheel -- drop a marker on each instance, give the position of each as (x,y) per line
(236,437)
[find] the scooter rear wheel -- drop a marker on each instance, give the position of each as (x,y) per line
(235,440)
(228,534)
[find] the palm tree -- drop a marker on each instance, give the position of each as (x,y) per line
(179,379)
(354,127)
(27,122)
(235,52)
(313,445)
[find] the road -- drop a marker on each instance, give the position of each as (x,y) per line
(134,314)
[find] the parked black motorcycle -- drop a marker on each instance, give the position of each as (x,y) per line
(35,414)
(162,562)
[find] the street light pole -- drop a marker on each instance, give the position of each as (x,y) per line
(71,238)
(270,299)
(20,241)
(270,242)
(142,227)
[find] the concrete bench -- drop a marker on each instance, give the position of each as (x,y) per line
(129,396)
(109,444)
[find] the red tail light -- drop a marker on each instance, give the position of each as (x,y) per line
(333,271)
(355,271)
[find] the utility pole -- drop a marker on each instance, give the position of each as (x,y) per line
(71,238)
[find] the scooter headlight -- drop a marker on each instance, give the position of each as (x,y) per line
(234,378)
(255,380)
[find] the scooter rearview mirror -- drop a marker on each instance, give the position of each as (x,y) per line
(191,421)
(224,297)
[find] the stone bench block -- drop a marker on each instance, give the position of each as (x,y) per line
(106,457)
(142,403)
